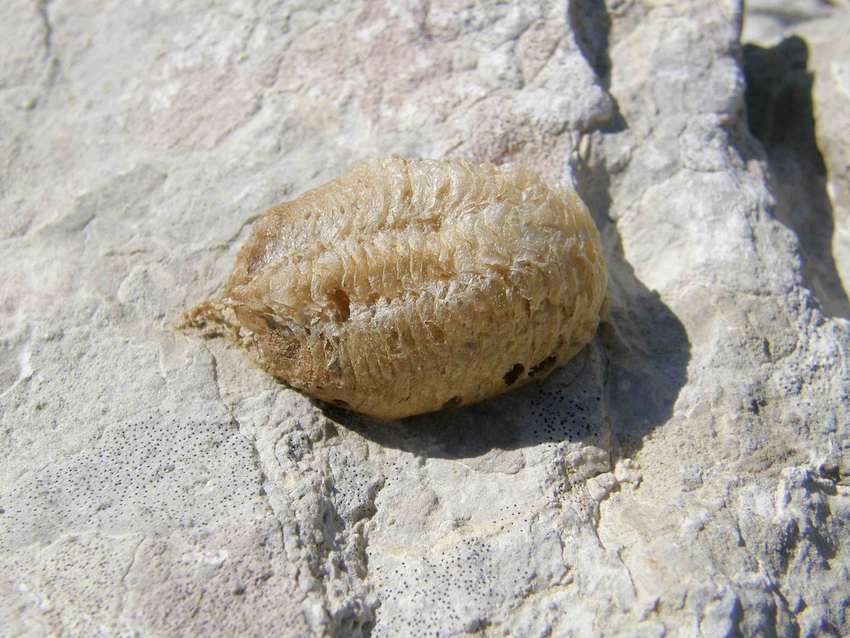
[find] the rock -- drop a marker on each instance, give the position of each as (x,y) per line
(686,473)
(768,21)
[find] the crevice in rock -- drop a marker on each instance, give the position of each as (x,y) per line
(340,565)
(591,25)
(278,517)
(333,513)
(42,6)
(43,13)
(126,595)
(780,114)
(214,369)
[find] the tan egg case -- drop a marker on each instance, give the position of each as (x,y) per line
(406,286)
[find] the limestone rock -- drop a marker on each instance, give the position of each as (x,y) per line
(685,474)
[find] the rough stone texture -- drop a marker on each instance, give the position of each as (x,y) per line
(686,474)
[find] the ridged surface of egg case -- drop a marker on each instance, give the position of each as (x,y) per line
(406,286)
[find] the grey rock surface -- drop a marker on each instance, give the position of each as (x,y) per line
(687,474)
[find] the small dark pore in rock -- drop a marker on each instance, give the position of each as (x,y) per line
(341,403)
(513,374)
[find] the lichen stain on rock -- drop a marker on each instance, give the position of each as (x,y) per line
(406,284)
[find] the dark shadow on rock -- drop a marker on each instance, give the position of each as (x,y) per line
(567,406)
(780,113)
(591,24)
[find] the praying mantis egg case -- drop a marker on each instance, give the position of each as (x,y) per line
(406,286)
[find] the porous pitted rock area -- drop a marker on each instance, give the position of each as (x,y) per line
(685,475)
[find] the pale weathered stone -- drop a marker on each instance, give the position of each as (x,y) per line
(768,21)
(685,474)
